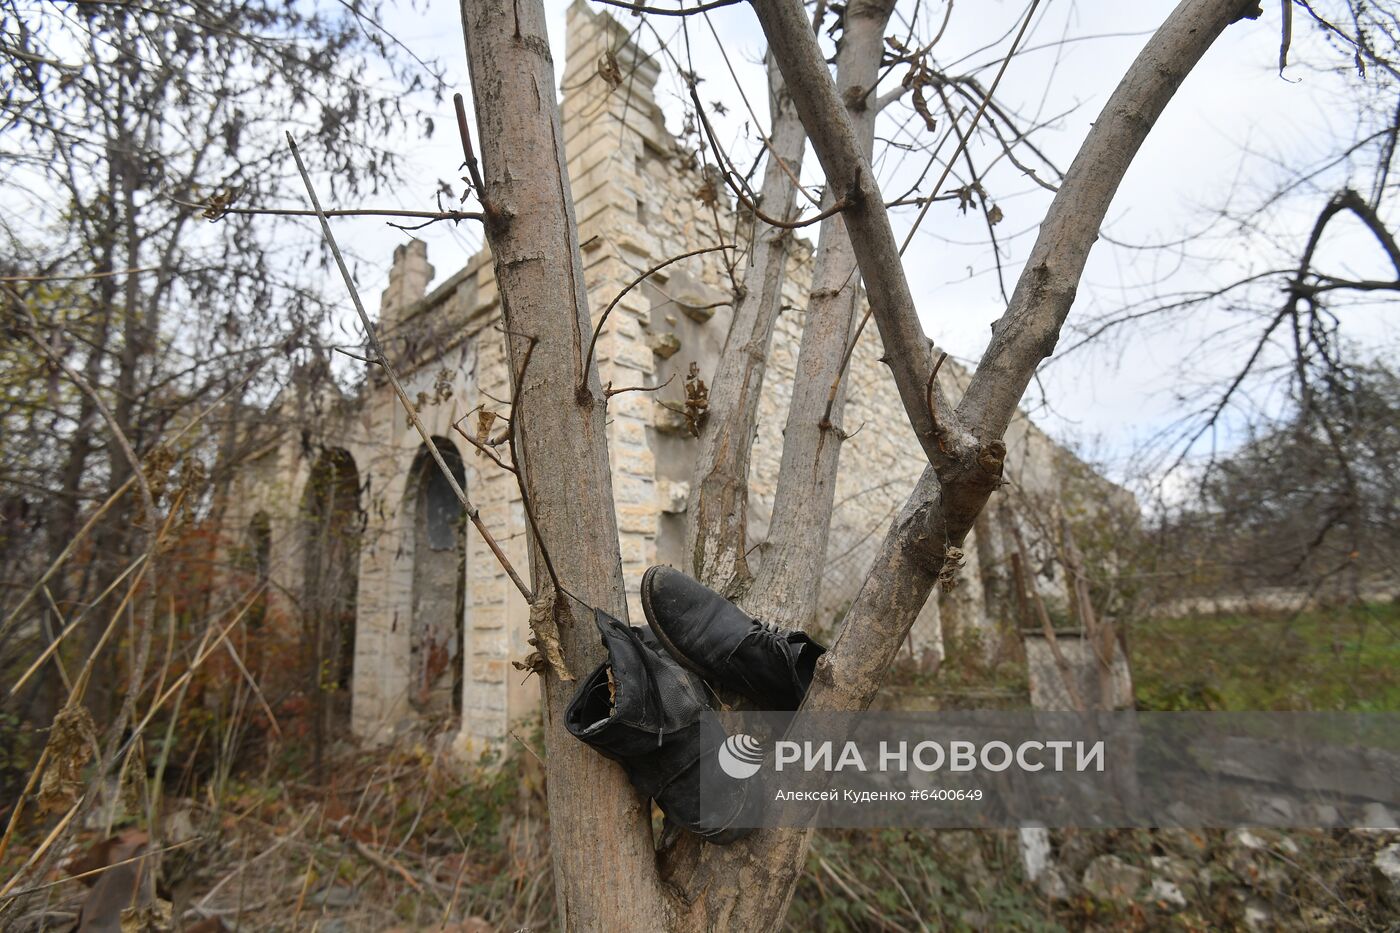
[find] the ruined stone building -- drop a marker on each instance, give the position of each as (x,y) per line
(355,527)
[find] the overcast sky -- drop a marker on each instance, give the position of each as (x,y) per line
(1220,142)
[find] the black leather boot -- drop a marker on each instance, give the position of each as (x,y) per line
(714,638)
(655,718)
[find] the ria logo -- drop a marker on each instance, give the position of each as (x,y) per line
(741,756)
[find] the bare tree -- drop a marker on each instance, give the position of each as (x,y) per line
(1307,506)
(607,869)
(127,128)
(1278,271)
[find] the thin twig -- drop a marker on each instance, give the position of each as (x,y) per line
(933,195)
(111,500)
(356,356)
(72,626)
(750,201)
(520,476)
(976,118)
(609,391)
(383,361)
(468,153)
(588,360)
(17,808)
(526,745)
(832,389)
(74,278)
(928,394)
(457,426)
(662,11)
(105,868)
(215,213)
(44,847)
(148,501)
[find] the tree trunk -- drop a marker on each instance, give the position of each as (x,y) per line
(717,532)
(787,588)
(600,830)
(907,349)
(604,866)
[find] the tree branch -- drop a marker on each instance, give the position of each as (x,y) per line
(717,511)
(736,185)
(559,445)
(602,318)
(794,550)
(849,175)
(1030,328)
(663,11)
(214,212)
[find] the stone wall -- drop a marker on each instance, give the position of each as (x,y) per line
(639,199)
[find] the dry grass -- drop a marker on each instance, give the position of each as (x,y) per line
(399,838)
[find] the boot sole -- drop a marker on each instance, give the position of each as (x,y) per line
(660,633)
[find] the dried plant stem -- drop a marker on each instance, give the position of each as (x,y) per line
(43,846)
(53,645)
(19,804)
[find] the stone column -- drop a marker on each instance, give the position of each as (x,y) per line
(408,282)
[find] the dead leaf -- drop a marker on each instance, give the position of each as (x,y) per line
(546,637)
(484,420)
(71,739)
(131,780)
(708,192)
(155,917)
(922,109)
(608,69)
(442,388)
(533,663)
(952,564)
(995,216)
(697,400)
(218,204)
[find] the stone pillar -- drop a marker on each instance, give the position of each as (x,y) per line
(1047,681)
(408,282)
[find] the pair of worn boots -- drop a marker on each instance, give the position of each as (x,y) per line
(649,708)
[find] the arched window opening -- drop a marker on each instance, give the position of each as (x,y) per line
(439,584)
(333,524)
(257,561)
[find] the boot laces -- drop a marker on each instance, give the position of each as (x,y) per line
(767,632)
